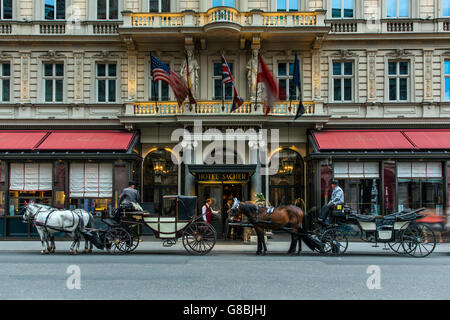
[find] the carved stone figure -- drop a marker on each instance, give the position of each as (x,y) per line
(252,76)
(193,72)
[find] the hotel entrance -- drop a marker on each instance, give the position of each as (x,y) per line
(222,183)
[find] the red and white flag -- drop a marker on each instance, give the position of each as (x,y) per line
(271,86)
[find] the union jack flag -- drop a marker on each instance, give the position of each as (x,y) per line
(227,77)
(161,71)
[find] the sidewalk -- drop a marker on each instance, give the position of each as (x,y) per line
(150,245)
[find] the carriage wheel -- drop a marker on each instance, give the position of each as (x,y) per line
(335,241)
(397,246)
(419,240)
(199,238)
(117,241)
(133,231)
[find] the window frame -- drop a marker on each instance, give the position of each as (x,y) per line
(150,85)
(106,78)
(288,77)
(55,6)
(2,11)
(107,9)
(342,8)
(445,76)
(410,10)
(53,78)
(223,4)
(441,7)
(343,77)
(159,6)
(399,76)
(288,9)
(9,78)
(231,65)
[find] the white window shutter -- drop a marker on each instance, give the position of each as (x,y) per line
(31,176)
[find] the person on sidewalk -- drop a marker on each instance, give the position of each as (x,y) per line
(337,197)
(207,211)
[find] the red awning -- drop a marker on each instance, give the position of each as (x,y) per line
(362,140)
(20,140)
(87,140)
(429,139)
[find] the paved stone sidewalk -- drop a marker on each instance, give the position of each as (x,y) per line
(153,245)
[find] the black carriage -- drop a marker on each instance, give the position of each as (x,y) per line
(177,219)
(400,231)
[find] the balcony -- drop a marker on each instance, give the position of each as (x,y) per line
(224,16)
(216,108)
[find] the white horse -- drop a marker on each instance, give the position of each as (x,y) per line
(49,221)
(88,221)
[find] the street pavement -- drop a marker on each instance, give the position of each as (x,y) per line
(231,271)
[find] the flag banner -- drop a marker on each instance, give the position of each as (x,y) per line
(271,86)
(227,77)
(188,79)
(161,71)
(301,108)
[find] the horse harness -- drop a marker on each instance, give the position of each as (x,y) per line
(46,226)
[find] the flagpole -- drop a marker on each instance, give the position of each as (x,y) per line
(256,89)
(153,85)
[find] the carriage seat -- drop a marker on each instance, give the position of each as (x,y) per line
(342,211)
(110,222)
(365,218)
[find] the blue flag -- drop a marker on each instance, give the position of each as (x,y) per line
(301,108)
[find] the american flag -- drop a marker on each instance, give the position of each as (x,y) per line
(161,71)
(227,77)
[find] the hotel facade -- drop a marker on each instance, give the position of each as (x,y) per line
(80,115)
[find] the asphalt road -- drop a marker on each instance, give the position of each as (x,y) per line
(222,275)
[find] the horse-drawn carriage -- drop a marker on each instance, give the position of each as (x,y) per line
(400,231)
(177,219)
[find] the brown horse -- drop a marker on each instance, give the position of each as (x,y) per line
(287,218)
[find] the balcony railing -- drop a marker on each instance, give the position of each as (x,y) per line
(223,15)
(171,108)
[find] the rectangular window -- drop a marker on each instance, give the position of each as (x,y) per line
(342,81)
(159,90)
(287,5)
(222,91)
(5,82)
(107,9)
(6,11)
(397,8)
(159,5)
(53,82)
(223,3)
(342,8)
(398,74)
(106,82)
(447,79)
(91,180)
(286,81)
(55,9)
(446,8)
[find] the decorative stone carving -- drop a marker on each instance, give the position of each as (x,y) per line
(52,55)
(78,68)
(252,76)
(105,55)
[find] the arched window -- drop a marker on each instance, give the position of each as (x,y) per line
(160,179)
(286,187)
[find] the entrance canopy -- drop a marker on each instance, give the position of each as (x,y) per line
(222,173)
(407,142)
(63,143)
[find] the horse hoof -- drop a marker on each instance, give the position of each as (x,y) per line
(264,253)
(258,253)
(43,252)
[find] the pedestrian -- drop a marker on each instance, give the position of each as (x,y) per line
(207,211)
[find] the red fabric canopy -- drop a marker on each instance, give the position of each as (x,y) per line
(362,140)
(20,140)
(429,139)
(87,140)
